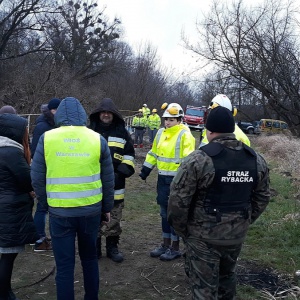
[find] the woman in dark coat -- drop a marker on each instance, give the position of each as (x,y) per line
(16,222)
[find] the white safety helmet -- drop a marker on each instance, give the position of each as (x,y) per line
(222,100)
(145,105)
(174,110)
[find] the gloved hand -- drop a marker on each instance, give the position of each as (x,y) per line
(145,172)
(143,175)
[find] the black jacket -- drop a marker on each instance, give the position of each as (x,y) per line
(16,222)
(119,142)
(43,123)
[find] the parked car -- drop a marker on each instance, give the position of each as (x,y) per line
(273,126)
(247,127)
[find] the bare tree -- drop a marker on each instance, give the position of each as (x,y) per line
(81,36)
(19,27)
(259,47)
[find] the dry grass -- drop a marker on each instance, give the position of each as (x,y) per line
(283,150)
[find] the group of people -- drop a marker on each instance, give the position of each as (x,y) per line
(78,177)
(208,197)
(143,121)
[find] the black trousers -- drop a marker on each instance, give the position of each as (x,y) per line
(6,268)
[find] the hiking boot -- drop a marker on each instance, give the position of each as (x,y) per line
(112,250)
(157,252)
(170,254)
(45,245)
(114,254)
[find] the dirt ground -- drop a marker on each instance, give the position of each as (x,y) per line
(139,277)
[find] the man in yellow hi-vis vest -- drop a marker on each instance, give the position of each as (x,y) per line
(72,172)
(224,101)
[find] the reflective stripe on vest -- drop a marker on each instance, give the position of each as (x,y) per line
(173,162)
(176,159)
(72,156)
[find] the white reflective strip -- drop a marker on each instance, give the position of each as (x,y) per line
(146,164)
(77,194)
(120,192)
(168,173)
(71,180)
(177,147)
(115,139)
(158,135)
(152,154)
(202,144)
(170,160)
(128,157)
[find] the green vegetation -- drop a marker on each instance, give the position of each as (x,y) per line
(274,238)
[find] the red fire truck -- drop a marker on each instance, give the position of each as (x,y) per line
(195,116)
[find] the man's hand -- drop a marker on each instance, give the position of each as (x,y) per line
(105,218)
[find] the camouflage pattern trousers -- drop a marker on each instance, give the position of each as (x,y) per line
(211,269)
(113,228)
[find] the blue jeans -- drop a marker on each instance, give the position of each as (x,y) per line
(152,134)
(40,219)
(63,234)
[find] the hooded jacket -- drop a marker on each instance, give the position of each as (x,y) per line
(16,222)
(71,113)
(119,142)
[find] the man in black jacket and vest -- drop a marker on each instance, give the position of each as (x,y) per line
(107,120)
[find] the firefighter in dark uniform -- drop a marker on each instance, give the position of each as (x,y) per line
(217,193)
(107,120)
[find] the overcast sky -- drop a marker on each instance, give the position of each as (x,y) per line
(159,22)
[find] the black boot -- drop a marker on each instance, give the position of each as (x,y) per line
(112,250)
(98,245)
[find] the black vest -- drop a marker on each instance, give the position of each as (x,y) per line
(234,181)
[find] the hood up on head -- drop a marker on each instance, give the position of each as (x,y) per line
(70,113)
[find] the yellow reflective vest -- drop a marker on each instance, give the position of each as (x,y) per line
(72,155)
(169,148)
(239,135)
(146,111)
(154,121)
(139,122)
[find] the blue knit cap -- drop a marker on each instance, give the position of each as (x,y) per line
(53,103)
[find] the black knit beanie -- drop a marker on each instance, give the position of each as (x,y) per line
(220,119)
(53,103)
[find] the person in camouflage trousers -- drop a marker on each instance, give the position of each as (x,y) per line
(217,193)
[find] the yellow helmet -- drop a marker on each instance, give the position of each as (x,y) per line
(154,110)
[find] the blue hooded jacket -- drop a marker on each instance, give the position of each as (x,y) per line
(71,113)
